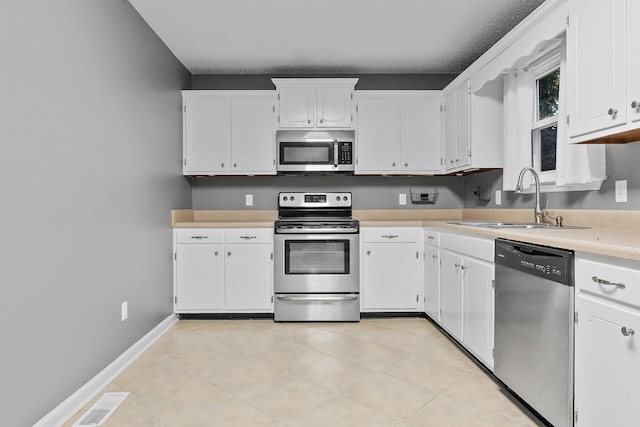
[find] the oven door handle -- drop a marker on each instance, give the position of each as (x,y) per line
(316,298)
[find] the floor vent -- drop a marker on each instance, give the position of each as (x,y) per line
(101,410)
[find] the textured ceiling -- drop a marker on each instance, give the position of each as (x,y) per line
(330,36)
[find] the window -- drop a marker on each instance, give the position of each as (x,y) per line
(544,129)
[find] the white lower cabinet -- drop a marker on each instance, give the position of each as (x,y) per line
(466,291)
(391,268)
(607,350)
(223,270)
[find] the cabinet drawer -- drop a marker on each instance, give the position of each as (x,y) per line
(431,237)
(616,282)
(249,235)
(199,235)
(391,234)
(477,247)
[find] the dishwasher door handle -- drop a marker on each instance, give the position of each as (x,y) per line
(317,298)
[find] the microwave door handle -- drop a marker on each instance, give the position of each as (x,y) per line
(335,153)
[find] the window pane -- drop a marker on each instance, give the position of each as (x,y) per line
(548,91)
(548,138)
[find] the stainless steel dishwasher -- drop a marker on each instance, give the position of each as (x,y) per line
(534,323)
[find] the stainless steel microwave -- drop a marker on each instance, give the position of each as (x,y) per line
(315,152)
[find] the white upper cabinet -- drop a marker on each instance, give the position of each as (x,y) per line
(229,132)
(474,126)
(315,103)
(399,132)
(603,63)
(597,60)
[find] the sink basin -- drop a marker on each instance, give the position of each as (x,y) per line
(513,225)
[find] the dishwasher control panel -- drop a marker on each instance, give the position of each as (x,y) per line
(549,263)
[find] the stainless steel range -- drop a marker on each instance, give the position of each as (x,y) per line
(317,273)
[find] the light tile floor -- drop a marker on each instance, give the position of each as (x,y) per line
(378,372)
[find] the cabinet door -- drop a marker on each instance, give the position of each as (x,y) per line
(451,293)
(607,364)
(431,282)
(199,277)
(420,135)
(463,128)
(390,276)
(478,309)
(248,277)
(378,135)
(252,136)
(297,107)
(334,107)
(633,56)
(597,66)
(206,136)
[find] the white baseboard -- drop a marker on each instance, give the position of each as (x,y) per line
(70,406)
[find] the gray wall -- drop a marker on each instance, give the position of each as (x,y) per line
(89,171)
(365,82)
(369,192)
(623,161)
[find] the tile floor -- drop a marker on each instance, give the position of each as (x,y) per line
(378,372)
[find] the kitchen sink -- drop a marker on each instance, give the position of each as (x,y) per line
(514,225)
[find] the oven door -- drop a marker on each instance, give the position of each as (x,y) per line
(316,263)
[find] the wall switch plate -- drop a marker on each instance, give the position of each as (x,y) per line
(621,191)
(248,199)
(402,199)
(124,310)
(498,197)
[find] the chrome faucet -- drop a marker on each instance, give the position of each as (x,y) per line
(536,210)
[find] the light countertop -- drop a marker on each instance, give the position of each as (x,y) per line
(611,233)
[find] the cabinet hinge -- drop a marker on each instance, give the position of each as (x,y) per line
(469,153)
(567,20)
(352,96)
(417,297)
(184,108)
(271,255)
(185,161)
(278,97)
(575,416)
(493,352)
(175,255)
(175,299)
(417,255)
(274,109)
(274,162)
(441,108)
(278,118)
(493,284)
(575,318)
(356,108)
(352,118)
(271,299)
(568,120)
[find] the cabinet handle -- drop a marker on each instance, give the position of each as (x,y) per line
(368,252)
(393,164)
(390,236)
(434,256)
(635,104)
(456,265)
(235,165)
(321,120)
(612,111)
(627,331)
(215,253)
(406,164)
(430,237)
(221,165)
(199,237)
(608,283)
(248,237)
(228,253)
(309,121)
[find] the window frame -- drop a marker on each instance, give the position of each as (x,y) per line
(544,64)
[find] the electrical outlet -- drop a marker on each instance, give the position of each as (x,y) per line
(124,310)
(621,191)
(248,199)
(498,197)
(402,199)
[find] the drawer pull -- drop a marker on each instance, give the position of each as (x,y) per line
(627,331)
(608,283)
(248,237)
(390,236)
(199,237)
(430,237)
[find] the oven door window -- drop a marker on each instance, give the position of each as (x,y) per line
(316,257)
(306,153)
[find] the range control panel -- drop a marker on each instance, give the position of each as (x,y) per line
(314,200)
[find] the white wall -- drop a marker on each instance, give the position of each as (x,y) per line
(90,151)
